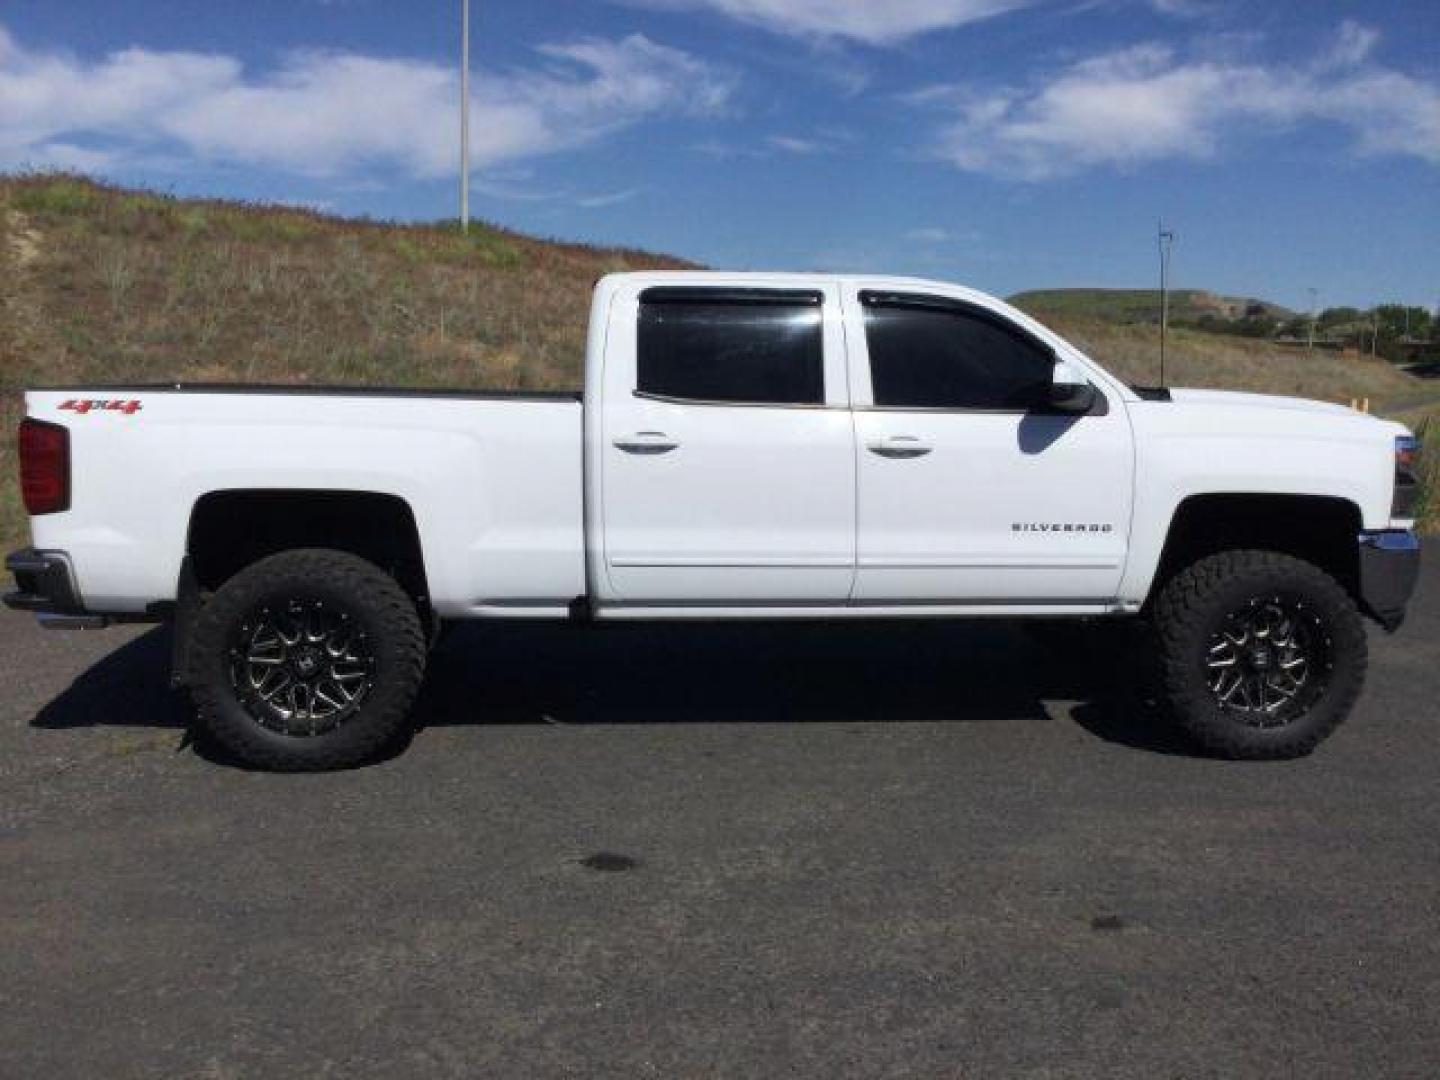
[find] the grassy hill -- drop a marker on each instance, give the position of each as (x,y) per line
(103,284)
(1143,305)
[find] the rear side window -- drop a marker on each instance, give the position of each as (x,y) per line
(926,353)
(752,346)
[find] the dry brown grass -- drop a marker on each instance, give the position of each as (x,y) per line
(1429,431)
(116,286)
(1425,423)
(1214,361)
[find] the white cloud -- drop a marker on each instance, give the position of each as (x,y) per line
(874,22)
(1144,104)
(330,113)
(928,234)
(604,199)
(1353,45)
(826,141)
(792,144)
(1183,9)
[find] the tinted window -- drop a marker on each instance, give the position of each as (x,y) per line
(749,348)
(933,356)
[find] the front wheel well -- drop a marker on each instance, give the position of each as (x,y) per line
(230,530)
(1322,530)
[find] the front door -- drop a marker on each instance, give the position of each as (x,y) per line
(727,450)
(968,491)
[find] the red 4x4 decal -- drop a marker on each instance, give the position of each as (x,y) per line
(128,406)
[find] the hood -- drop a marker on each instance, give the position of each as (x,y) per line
(1258,401)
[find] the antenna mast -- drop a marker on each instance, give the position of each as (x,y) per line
(1166,240)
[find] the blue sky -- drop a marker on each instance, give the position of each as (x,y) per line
(1007,144)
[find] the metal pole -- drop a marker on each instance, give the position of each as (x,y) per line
(1314,301)
(465,116)
(1165,239)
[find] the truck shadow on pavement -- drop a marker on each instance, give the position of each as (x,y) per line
(922,672)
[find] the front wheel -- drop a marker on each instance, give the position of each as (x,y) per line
(307,660)
(1261,655)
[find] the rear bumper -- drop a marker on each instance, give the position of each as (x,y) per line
(44,583)
(1389,568)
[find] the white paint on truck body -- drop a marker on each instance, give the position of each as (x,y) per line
(495,485)
(523,505)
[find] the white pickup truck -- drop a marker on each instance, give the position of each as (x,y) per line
(747,446)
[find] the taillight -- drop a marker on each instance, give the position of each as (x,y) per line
(1407,477)
(44,467)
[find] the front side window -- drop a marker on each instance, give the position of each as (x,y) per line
(926,353)
(760,347)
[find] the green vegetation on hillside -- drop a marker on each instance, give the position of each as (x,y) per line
(1396,332)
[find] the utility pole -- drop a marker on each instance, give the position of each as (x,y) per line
(1166,240)
(464,116)
(1314,305)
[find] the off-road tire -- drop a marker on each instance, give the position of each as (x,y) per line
(1193,606)
(393,632)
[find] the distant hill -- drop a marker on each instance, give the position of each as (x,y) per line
(1142,306)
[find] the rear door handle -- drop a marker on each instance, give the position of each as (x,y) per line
(900,446)
(646,442)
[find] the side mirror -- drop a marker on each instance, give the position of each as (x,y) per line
(1074,398)
(1069,391)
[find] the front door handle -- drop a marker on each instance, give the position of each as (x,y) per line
(900,446)
(646,442)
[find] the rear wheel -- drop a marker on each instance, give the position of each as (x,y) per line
(307,660)
(1261,655)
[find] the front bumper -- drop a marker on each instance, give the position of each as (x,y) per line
(1389,568)
(44,583)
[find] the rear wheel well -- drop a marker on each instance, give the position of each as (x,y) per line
(1319,529)
(230,530)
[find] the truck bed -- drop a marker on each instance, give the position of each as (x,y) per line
(492,479)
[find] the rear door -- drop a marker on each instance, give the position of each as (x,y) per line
(969,490)
(727,454)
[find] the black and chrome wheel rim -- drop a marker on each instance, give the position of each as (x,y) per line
(301,666)
(1269,661)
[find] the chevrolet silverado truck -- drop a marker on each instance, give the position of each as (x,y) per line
(747,446)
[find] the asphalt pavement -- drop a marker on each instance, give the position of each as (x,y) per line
(849,851)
